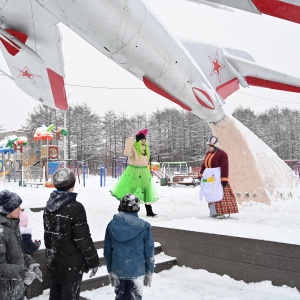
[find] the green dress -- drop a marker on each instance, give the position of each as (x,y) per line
(136,178)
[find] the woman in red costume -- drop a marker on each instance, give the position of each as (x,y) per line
(217,159)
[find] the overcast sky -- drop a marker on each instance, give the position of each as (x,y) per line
(272,42)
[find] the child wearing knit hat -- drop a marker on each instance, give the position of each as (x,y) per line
(29,245)
(129,250)
(17,268)
(70,250)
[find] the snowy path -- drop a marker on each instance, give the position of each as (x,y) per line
(183,283)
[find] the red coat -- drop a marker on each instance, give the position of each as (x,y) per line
(214,160)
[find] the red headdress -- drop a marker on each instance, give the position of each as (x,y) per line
(141,134)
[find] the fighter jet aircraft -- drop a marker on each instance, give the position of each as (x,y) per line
(196,76)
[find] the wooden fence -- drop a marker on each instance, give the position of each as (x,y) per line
(244,259)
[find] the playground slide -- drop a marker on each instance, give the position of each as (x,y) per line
(35,163)
(158,174)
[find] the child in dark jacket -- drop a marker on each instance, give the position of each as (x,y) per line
(17,269)
(70,250)
(129,250)
(29,246)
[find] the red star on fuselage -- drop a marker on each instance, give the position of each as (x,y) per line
(25,73)
(216,66)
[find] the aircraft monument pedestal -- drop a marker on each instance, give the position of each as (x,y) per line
(256,173)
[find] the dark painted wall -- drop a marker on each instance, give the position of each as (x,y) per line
(240,258)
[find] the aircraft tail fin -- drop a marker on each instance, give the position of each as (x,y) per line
(34,55)
(226,68)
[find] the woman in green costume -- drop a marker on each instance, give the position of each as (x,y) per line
(137,178)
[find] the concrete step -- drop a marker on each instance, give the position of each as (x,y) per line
(162,262)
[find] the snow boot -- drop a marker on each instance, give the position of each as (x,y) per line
(149,210)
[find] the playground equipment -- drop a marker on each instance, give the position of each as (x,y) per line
(155,166)
(102,176)
(189,179)
(8,146)
(60,131)
(47,154)
(44,133)
(172,168)
(178,173)
(118,166)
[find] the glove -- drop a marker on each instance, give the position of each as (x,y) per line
(37,272)
(224,183)
(37,244)
(148,280)
(111,279)
(28,276)
(93,272)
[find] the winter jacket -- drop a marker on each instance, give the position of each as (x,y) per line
(133,158)
(12,260)
(28,245)
(216,159)
(129,246)
(69,247)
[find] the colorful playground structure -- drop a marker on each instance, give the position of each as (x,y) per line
(9,147)
(34,170)
(46,160)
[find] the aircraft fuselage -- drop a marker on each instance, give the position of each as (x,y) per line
(126,32)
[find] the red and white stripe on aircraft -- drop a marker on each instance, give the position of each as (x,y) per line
(157,89)
(283,9)
(11,47)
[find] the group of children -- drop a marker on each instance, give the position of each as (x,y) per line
(70,251)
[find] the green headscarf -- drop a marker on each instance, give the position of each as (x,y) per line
(139,149)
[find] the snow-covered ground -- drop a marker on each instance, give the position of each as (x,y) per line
(179,207)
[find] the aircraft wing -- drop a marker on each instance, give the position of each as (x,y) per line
(30,43)
(284,9)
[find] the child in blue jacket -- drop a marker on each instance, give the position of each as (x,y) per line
(129,250)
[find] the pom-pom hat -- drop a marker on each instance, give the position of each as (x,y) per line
(129,203)
(63,179)
(213,141)
(9,202)
(141,134)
